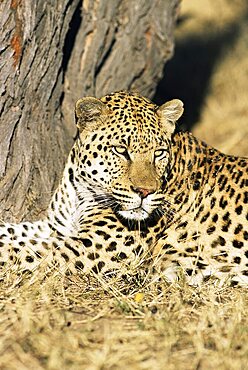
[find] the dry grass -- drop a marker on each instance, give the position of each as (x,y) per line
(74,323)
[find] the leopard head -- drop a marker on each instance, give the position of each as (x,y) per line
(124,151)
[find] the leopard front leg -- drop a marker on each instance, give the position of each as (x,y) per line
(85,253)
(175,262)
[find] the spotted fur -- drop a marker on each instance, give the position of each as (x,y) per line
(133,189)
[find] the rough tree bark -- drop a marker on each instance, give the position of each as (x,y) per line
(51,53)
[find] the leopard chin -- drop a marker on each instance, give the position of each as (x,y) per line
(137,214)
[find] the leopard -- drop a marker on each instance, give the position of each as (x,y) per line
(136,188)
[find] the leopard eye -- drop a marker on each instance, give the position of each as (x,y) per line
(160,153)
(121,151)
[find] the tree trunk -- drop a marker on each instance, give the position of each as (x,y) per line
(52,53)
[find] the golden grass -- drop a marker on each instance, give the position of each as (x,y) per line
(76,323)
(51,322)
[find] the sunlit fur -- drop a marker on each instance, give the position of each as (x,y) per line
(134,193)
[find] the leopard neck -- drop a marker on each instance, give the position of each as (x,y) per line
(190,174)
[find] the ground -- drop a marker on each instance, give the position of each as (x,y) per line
(73,323)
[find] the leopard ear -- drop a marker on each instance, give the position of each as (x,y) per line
(170,112)
(88,112)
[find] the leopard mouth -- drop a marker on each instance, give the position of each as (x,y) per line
(136,212)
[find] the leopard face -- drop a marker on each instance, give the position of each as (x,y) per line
(124,152)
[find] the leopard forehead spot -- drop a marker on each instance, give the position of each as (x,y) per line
(133,120)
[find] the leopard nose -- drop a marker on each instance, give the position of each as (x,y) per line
(143,193)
